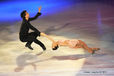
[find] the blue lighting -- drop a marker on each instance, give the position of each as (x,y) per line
(100,25)
(10,10)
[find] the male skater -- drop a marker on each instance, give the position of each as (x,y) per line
(74,43)
(24,34)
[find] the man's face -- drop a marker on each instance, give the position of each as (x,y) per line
(27,15)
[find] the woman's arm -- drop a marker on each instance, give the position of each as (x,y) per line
(43,34)
(54,44)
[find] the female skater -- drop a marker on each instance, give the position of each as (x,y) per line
(75,44)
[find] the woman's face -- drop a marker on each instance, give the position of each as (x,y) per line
(54,44)
(27,15)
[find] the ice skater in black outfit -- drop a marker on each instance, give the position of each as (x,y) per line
(24,34)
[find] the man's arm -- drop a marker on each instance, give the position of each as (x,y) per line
(37,15)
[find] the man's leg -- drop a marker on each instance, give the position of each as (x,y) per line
(40,43)
(28,44)
(30,38)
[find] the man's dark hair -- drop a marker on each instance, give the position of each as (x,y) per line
(23,14)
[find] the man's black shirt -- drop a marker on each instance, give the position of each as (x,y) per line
(26,25)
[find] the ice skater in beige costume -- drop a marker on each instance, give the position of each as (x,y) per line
(74,43)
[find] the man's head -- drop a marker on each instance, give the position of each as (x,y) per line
(24,14)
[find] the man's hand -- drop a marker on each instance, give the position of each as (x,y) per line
(39,9)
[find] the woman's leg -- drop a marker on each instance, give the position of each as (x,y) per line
(90,50)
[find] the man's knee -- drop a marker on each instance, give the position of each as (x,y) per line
(23,40)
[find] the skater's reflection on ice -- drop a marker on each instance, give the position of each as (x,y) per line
(26,59)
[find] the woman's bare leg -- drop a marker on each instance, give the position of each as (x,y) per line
(90,50)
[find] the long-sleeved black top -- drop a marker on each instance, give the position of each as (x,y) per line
(26,25)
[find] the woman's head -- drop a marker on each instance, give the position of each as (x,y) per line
(55,45)
(24,14)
